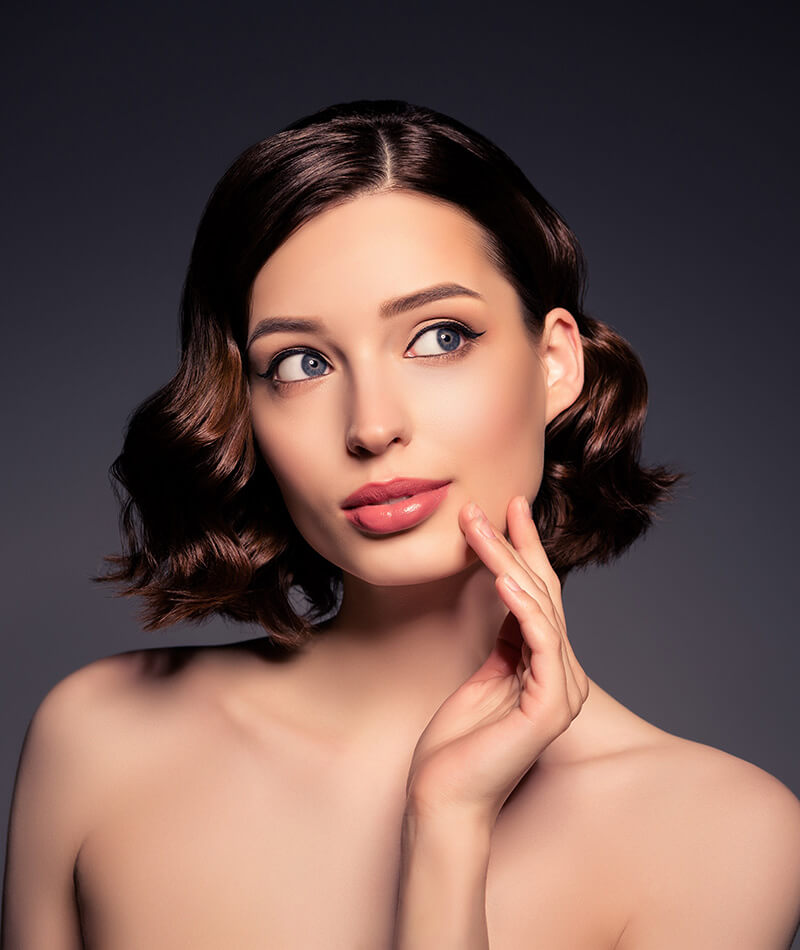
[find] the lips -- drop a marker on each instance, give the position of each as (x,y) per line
(378,493)
(394,515)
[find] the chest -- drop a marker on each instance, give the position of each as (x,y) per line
(239,851)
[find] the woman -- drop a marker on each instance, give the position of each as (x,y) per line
(381,331)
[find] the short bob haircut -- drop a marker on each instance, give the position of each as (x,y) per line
(204,527)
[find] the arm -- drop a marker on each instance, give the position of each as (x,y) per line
(50,810)
(442,897)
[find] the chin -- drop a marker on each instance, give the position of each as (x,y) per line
(384,567)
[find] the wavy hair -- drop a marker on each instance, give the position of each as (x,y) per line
(203,524)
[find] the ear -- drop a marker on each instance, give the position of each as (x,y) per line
(560,351)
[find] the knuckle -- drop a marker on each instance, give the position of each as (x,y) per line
(551,637)
(540,584)
(559,715)
(534,613)
(565,718)
(584,686)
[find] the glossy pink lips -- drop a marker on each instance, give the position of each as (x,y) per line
(397,515)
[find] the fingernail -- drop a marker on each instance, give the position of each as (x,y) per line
(484,527)
(472,511)
(522,504)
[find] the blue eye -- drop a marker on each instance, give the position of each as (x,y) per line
(307,361)
(312,364)
(445,335)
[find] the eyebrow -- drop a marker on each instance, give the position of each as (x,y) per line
(389,308)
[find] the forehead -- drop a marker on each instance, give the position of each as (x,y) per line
(372,248)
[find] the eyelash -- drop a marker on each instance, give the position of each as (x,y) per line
(460,328)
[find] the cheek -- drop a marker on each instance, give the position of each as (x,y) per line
(495,420)
(290,459)
(301,467)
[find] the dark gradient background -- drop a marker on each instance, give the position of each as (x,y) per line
(666,136)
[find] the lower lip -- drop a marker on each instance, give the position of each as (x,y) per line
(384,519)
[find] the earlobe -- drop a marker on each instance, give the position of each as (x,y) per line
(561,354)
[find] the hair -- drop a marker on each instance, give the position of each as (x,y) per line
(203,524)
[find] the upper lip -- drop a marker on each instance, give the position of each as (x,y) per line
(374,493)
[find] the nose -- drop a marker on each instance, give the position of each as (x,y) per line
(377,414)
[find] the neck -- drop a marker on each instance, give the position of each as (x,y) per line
(374,675)
(403,647)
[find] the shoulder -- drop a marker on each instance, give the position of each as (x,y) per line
(145,698)
(109,685)
(65,762)
(718,857)
(714,790)
(731,803)
(78,733)
(91,734)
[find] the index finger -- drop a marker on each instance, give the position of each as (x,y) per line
(525,538)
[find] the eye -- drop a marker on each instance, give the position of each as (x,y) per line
(294,363)
(447,337)
(300,364)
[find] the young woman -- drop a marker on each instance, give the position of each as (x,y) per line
(392,434)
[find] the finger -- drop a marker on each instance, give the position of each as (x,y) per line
(500,557)
(469,515)
(545,689)
(525,538)
(503,660)
(522,530)
(574,695)
(535,629)
(491,546)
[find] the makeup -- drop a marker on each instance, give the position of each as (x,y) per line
(397,515)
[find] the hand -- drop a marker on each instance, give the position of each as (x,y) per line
(491,730)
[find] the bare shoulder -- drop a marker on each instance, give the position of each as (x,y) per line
(84,725)
(736,809)
(673,772)
(665,842)
(92,733)
(141,701)
(78,706)
(714,842)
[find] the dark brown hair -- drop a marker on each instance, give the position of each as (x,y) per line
(203,522)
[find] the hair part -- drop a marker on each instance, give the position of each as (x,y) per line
(203,524)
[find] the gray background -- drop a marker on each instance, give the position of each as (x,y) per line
(665,135)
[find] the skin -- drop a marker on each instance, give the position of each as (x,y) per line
(382,413)
(437,757)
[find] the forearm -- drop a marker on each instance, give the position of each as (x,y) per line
(442,895)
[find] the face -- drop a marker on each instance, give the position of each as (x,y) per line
(368,396)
